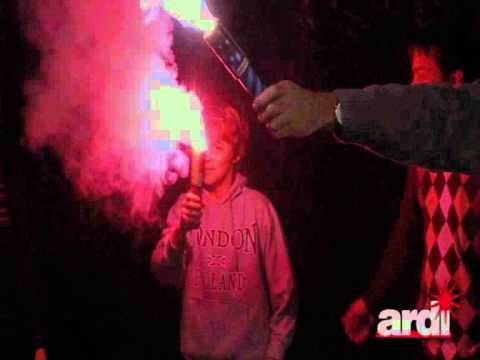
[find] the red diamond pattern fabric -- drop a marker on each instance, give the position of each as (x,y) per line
(451,208)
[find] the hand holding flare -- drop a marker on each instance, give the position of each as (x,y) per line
(191,205)
(191,209)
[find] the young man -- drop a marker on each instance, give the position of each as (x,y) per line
(227,247)
(448,206)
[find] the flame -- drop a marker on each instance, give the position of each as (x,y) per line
(176,117)
(192,13)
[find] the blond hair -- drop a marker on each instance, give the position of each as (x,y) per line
(232,128)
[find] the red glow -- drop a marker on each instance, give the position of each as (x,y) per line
(425,66)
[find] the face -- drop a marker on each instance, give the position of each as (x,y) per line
(425,67)
(219,161)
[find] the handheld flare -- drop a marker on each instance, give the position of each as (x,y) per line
(197,170)
(234,59)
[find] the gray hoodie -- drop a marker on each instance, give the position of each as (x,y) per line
(239,293)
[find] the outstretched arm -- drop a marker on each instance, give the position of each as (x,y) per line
(436,127)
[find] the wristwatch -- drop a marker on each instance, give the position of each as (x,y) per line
(338,113)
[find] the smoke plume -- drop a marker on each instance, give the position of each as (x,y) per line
(90,99)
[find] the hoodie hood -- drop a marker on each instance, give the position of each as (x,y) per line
(235,190)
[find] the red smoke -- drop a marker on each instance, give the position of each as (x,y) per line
(88,101)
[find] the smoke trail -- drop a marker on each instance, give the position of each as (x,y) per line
(91,99)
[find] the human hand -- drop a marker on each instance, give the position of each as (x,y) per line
(191,211)
(290,110)
(358,321)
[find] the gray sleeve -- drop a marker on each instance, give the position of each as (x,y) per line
(436,127)
(281,284)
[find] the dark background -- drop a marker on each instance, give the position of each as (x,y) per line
(97,298)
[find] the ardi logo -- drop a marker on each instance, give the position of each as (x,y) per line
(427,323)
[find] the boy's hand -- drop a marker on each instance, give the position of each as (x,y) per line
(358,321)
(191,211)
